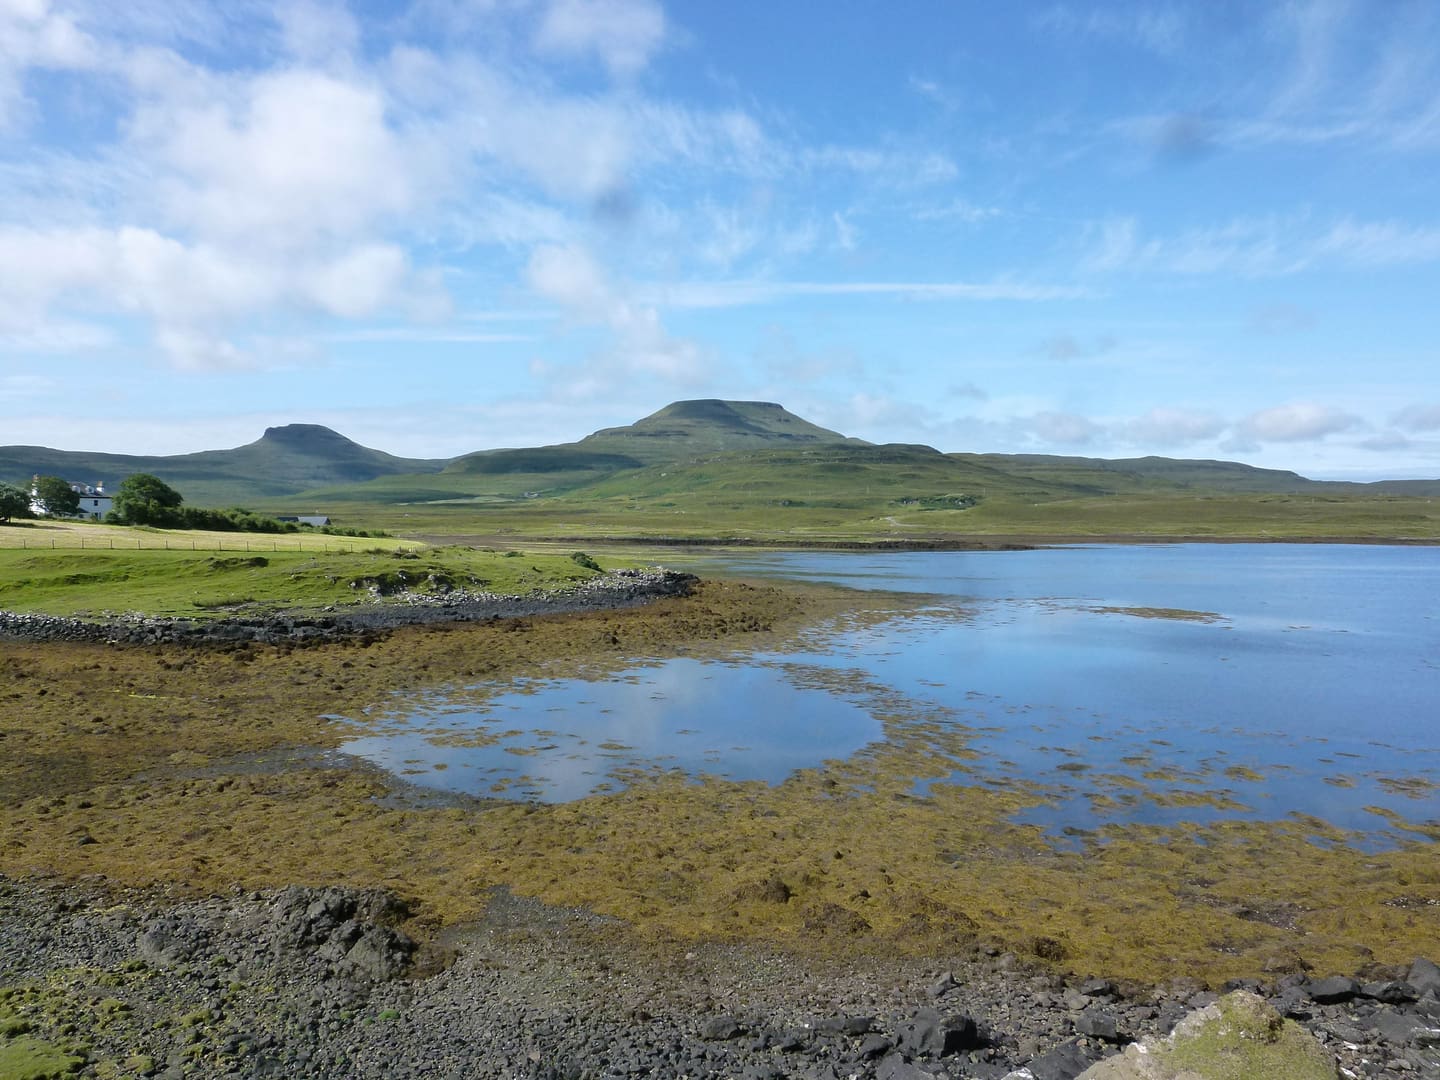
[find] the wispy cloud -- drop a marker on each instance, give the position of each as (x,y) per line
(1261,247)
(1157,28)
(742,293)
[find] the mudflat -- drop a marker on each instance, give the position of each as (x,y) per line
(188,772)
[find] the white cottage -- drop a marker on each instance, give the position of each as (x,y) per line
(95,503)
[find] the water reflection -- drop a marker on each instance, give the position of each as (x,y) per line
(1310,687)
(558,740)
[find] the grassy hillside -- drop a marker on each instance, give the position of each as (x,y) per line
(712,468)
(283,461)
(678,432)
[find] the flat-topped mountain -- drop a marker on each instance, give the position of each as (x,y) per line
(714,426)
(680,431)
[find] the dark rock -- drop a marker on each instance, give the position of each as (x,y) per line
(1099,1024)
(380,954)
(1396,1028)
(928,1034)
(1065,1062)
(845,1025)
(897,1067)
(1099,988)
(721,1029)
(1294,1003)
(1334,990)
(943,985)
(873,1047)
(172,940)
(1424,976)
(1391,992)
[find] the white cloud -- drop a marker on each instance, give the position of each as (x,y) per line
(34,36)
(622,34)
(1066,429)
(1164,427)
(1418,418)
(291,157)
(1299,422)
(1159,29)
(572,278)
(742,293)
(1380,243)
(317,31)
(1260,247)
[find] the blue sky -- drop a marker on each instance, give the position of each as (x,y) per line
(1204,229)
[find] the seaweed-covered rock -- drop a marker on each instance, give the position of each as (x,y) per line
(1239,1037)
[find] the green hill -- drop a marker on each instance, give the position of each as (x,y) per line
(717,468)
(284,461)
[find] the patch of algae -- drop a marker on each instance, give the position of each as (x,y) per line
(27,1058)
(892,849)
(1177,614)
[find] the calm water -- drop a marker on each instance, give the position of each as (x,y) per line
(1315,688)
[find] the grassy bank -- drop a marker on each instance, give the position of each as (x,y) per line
(181,574)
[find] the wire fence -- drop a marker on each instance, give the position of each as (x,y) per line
(71,542)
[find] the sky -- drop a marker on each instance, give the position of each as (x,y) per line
(1205,229)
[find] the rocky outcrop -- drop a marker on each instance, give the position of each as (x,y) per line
(614,590)
(1239,1037)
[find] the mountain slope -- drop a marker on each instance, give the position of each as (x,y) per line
(680,431)
(284,461)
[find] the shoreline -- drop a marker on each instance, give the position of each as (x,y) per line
(615,590)
(128,805)
(323,982)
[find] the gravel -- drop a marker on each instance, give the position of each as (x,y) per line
(325,982)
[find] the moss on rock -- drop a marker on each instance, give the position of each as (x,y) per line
(1240,1037)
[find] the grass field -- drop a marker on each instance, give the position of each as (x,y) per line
(89,536)
(93,569)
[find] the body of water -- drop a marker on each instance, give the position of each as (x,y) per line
(1128,683)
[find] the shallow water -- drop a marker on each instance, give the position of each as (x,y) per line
(1313,687)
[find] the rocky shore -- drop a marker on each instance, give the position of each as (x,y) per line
(324,982)
(611,591)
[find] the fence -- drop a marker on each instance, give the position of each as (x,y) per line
(70,542)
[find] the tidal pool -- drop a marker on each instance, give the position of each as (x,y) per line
(1153,684)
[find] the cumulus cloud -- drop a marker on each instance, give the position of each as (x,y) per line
(1299,422)
(622,34)
(291,157)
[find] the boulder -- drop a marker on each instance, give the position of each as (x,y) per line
(1240,1037)
(1425,977)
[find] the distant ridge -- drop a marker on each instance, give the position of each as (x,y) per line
(283,461)
(672,448)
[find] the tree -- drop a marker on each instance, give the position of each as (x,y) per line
(56,496)
(143,499)
(14,502)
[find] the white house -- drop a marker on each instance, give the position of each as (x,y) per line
(94,502)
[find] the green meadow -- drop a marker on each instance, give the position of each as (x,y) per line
(247,575)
